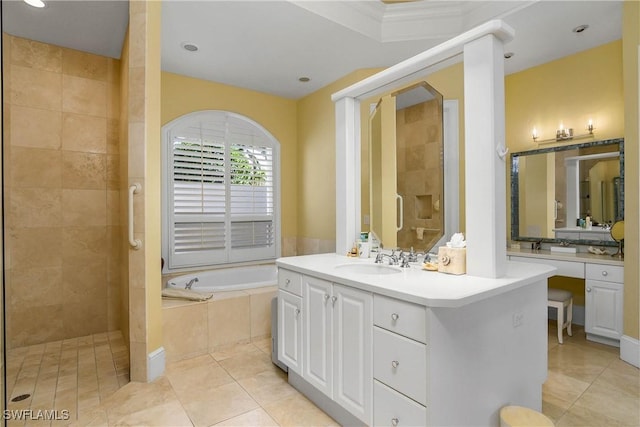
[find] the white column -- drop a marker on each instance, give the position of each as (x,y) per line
(347,173)
(485,174)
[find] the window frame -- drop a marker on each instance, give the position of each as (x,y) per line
(228,256)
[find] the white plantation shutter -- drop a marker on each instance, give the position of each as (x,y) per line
(220,191)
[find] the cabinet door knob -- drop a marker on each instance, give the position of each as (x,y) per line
(394,421)
(334,299)
(604,272)
(395,363)
(326,297)
(394,317)
(588,289)
(287,281)
(297,311)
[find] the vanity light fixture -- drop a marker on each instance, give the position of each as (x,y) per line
(564,134)
(35,3)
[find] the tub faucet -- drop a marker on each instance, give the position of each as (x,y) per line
(190,283)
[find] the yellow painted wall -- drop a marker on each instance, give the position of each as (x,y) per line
(182,95)
(631,41)
(571,90)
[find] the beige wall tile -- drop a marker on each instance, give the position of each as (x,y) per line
(113,207)
(35,88)
(35,207)
(82,64)
(185,331)
(34,325)
(84,96)
(113,100)
(137,36)
(35,127)
(113,172)
(113,136)
(33,54)
(84,170)
(261,314)
(136,94)
(87,317)
(34,167)
(37,247)
(136,150)
(35,287)
(83,244)
(85,283)
(113,70)
(113,307)
(137,315)
(81,132)
(84,208)
(229,321)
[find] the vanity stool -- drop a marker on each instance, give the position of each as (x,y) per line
(559,299)
(519,416)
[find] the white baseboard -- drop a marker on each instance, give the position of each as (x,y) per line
(630,350)
(155,364)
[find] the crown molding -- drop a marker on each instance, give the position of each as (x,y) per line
(417,20)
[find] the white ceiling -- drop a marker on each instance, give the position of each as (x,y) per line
(267,45)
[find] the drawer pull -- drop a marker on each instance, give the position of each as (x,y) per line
(604,273)
(288,281)
(394,317)
(297,311)
(588,289)
(395,364)
(394,421)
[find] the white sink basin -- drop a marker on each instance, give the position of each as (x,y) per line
(368,268)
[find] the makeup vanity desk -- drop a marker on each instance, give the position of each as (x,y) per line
(604,287)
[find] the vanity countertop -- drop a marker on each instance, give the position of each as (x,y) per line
(414,284)
(593,229)
(562,256)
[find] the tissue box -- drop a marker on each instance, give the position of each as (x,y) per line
(452,260)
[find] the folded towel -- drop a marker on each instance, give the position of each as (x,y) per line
(185,294)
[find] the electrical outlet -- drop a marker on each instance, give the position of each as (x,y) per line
(517,319)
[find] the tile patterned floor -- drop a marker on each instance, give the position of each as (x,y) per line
(587,385)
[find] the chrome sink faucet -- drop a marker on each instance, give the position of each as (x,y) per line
(393,259)
(190,283)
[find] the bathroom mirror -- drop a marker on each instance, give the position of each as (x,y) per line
(406,167)
(553,190)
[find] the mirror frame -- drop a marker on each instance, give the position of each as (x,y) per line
(515,192)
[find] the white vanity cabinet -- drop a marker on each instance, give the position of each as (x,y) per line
(399,363)
(336,352)
(604,291)
(290,320)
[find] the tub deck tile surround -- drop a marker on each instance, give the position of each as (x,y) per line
(192,329)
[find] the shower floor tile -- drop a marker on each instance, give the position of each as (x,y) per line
(65,379)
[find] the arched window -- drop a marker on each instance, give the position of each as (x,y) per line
(220,191)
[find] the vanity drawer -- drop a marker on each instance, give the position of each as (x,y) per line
(390,408)
(290,281)
(400,363)
(606,273)
(401,317)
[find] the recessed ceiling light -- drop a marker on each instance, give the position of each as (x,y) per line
(508,55)
(191,47)
(35,3)
(580,28)
(304,79)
